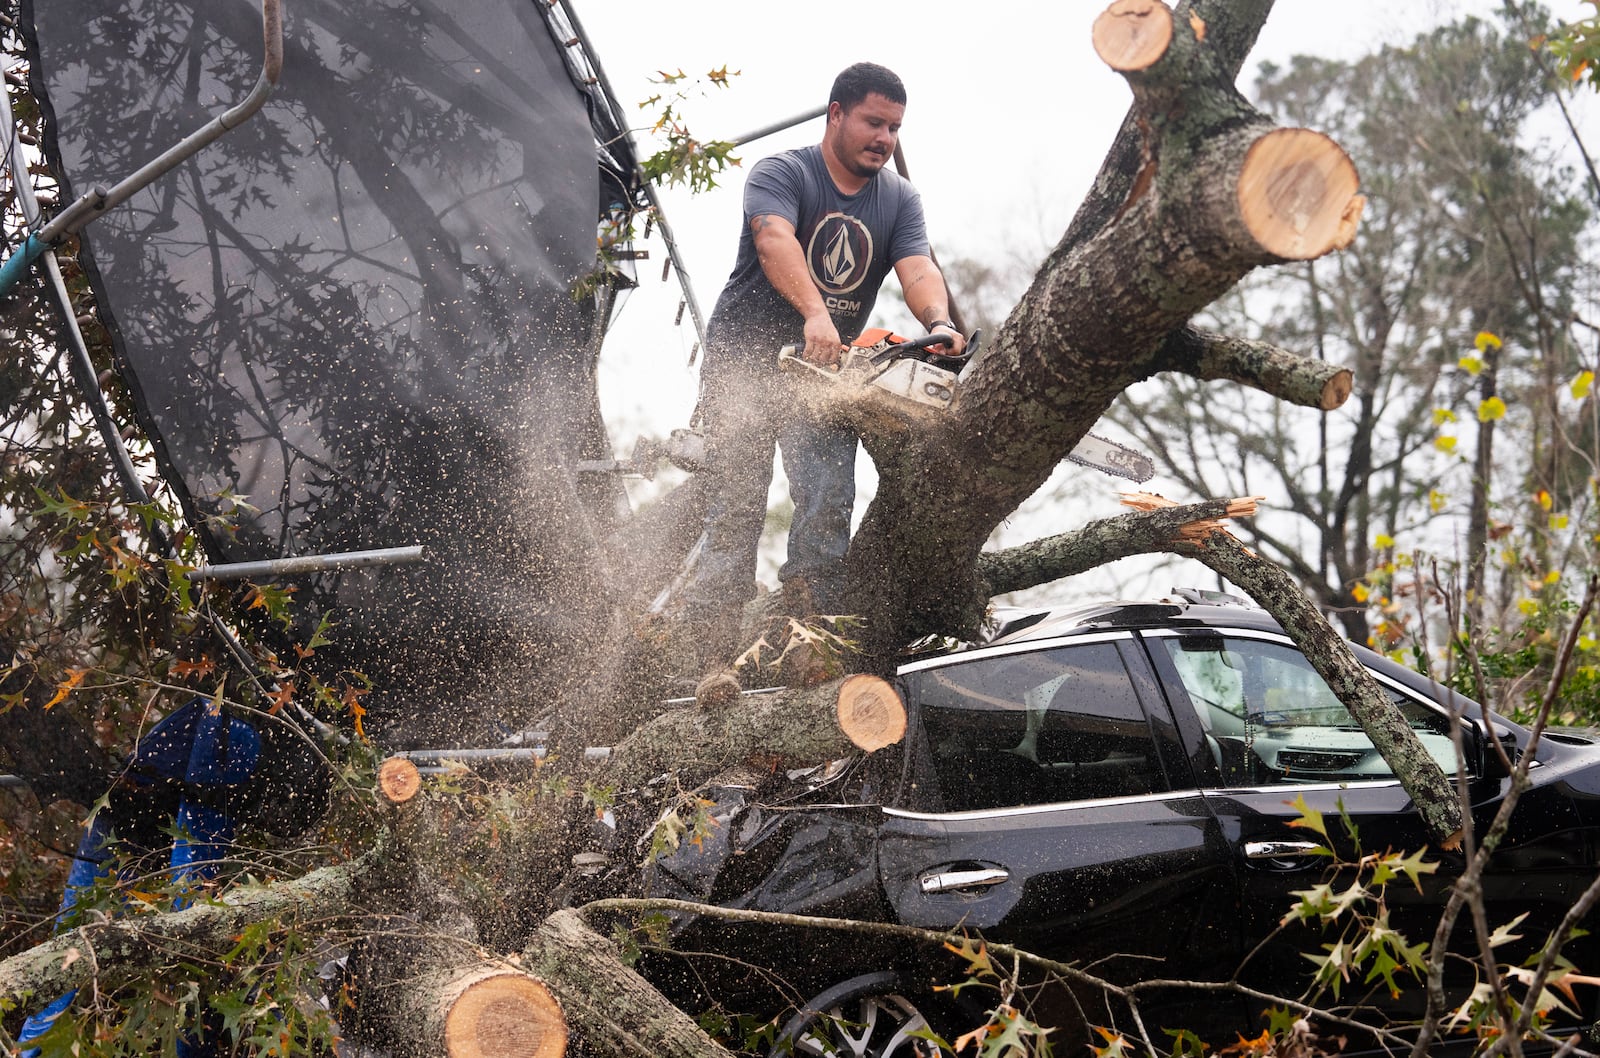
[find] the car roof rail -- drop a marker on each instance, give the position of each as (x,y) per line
(1203,597)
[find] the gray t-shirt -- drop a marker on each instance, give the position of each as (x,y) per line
(850,242)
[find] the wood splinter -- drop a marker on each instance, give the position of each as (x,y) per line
(1238,507)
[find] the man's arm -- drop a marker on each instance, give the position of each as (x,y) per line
(784,262)
(923,286)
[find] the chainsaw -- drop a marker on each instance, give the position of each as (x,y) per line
(909,378)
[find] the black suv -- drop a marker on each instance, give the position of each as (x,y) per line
(1110,787)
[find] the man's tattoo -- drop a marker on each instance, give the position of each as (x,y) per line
(760,223)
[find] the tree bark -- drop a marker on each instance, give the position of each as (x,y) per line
(115,950)
(797,726)
(1066,554)
(613,1010)
(1331,656)
(1218,191)
(1299,380)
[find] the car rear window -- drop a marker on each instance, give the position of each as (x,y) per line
(1041,727)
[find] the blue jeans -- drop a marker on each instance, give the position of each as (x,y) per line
(749,410)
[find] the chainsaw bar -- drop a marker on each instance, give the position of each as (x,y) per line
(1109,457)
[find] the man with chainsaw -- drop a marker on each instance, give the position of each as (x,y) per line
(823,226)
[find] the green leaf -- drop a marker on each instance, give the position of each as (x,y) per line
(1280,1020)
(927,1033)
(1415,866)
(1186,1044)
(1309,817)
(60,506)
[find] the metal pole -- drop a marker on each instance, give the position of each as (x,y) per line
(283,567)
(83,372)
(677,261)
(779,126)
(84,375)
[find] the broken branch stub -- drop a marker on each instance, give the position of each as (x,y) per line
(1297,194)
(1133,35)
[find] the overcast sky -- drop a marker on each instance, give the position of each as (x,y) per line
(1009,115)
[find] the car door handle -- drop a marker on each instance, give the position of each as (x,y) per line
(1278,850)
(950,881)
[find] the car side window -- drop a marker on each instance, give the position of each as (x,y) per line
(1270,718)
(1043,727)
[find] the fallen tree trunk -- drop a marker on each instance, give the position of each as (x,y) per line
(805,726)
(613,1010)
(794,727)
(115,950)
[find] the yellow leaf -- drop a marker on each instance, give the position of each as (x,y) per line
(1436,501)
(1528,607)
(1383,540)
(1472,365)
(1582,384)
(1486,341)
(1445,444)
(1491,409)
(1553,577)
(1542,498)
(66,686)
(1559,521)
(1442,416)
(1360,592)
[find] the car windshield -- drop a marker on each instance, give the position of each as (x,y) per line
(1270,718)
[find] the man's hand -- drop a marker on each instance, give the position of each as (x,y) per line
(958,341)
(822,341)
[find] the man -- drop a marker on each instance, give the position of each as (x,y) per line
(823,225)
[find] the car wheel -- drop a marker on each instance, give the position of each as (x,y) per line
(872,1016)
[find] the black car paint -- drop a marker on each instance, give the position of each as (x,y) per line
(1135,887)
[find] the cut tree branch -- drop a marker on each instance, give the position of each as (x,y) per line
(117,949)
(1192,530)
(801,726)
(1066,554)
(1328,653)
(1277,372)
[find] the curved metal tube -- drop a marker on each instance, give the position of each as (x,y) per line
(98,199)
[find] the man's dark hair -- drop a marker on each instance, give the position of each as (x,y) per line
(856,82)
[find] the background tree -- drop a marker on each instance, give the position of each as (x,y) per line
(1469,230)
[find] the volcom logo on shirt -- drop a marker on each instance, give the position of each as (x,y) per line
(839,253)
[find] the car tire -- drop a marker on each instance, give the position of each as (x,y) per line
(869,1016)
